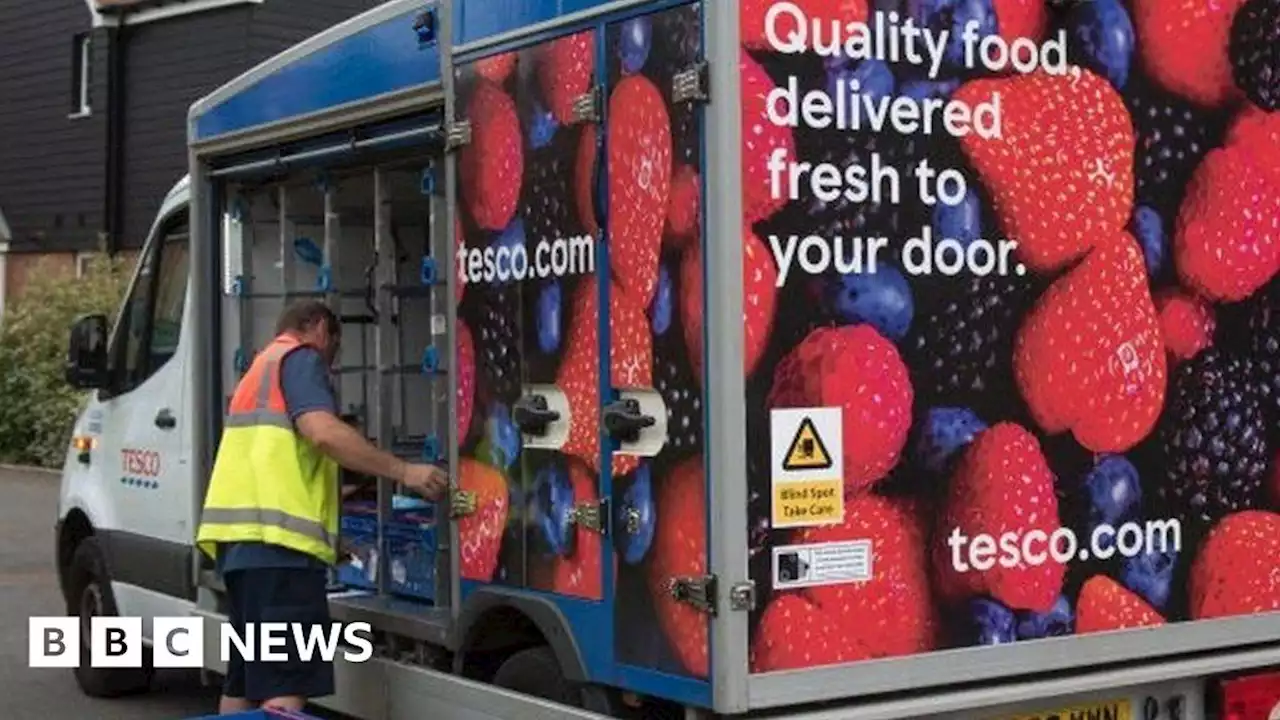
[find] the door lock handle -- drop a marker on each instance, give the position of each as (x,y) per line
(165,419)
(532,415)
(623,420)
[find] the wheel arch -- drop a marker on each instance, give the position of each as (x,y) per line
(499,620)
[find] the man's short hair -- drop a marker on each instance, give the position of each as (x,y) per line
(302,316)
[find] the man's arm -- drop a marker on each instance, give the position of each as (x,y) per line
(348,447)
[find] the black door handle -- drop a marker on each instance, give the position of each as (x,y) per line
(532,415)
(165,419)
(623,420)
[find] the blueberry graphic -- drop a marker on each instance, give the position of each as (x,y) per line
(663,302)
(961,222)
(553,509)
(502,438)
(954,16)
(549,317)
(636,41)
(542,127)
(991,623)
(873,77)
(881,298)
(928,89)
(635,517)
(1114,491)
(1102,37)
(1148,228)
(1150,575)
(513,239)
(945,433)
(1058,621)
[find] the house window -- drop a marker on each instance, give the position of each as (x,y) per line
(81,54)
(84,263)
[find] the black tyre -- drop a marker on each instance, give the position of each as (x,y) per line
(536,671)
(89,595)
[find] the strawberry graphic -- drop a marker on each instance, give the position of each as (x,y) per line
(631,362)
(584,180)
(1002,485)
(1106,605)
(1021,19)
(565,70)
(496,68)
(1167,28)
(639,182)
(1186,322)
(466,380)
(1089,357)
(795,633)
(759,298)
(1060,175)
(1237,571)
(580,575)
(460,242)
(491,164)
(1227,243)
(1259,132)
(683,214)
(760,138)
(887,615)
(857,369)
(680,550)
(480,534)
(752,13)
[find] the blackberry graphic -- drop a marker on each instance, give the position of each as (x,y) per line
(1172,136)
(677,44)
(960,350)
(673,378)
(1212,440)
(547,205)
(684,134)
(1255,52)
(493,313)
(1262,329)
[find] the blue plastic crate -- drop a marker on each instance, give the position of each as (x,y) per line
(261,715)
(409,543)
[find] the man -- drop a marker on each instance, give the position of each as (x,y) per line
(273,505)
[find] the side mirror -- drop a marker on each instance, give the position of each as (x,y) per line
(87,353)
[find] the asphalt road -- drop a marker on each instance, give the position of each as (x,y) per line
(29,586)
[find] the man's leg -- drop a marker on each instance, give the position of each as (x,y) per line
(233,700)
(292,596)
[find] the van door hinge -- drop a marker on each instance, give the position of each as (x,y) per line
(591,515)
(693,84)
(461,503)
(697,592)
(586,107)
(458,135)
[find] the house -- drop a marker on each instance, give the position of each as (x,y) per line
(93,119)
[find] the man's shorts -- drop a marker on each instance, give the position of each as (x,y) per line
(278,595)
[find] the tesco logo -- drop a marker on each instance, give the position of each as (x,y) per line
(141,463)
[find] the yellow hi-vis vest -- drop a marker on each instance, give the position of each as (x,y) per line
(269,484)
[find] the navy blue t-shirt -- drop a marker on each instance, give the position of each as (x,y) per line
(304,378)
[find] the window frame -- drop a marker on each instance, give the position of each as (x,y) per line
(81,72)
(121,383)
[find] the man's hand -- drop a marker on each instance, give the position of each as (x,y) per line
(428,481)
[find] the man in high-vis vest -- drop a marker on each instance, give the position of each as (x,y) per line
(272,510)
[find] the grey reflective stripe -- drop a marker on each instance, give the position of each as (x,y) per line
(259,417)
(270,518)
(264,383)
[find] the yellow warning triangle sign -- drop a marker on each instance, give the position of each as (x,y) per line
(807,452)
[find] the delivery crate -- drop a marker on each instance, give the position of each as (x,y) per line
(409,543)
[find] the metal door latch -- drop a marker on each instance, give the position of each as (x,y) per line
(591,515)
(458,135)
(586,107)
(461,503)
(692,84)
(697,592)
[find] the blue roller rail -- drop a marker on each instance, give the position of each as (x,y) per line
(260,715)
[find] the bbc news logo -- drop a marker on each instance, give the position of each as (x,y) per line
(178,642)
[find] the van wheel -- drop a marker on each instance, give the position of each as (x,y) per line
(536,671)
(89,595)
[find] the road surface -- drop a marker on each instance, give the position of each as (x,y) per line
(29,586)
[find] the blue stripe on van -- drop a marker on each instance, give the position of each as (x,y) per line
(479,19)
(377,60)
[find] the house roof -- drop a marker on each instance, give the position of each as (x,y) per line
(107,6)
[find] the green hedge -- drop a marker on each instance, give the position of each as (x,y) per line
(37,407)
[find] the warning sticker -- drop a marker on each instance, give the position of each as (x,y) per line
(807,467)
(797,566)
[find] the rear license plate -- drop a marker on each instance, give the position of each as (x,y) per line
(1113,710)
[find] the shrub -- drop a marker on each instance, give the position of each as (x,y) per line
(37,407)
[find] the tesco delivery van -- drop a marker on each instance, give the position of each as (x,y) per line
(790,359)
